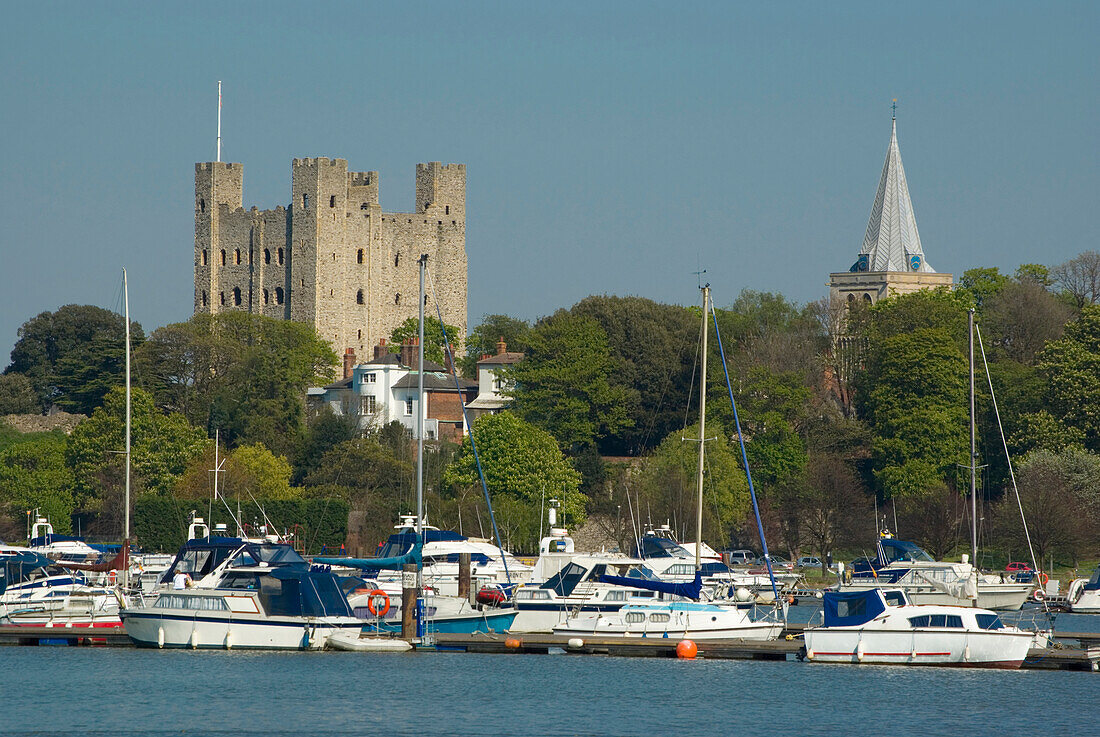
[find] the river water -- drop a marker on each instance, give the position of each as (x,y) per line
(121,691)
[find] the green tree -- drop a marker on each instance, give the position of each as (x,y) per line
(652,348)
(668,483)
(483,339)
(241,373)
(563,385)
(832,506)
(324,431)
(1035,273)
(162,446)
(17,396)
(434,342)
(74,355)
(522,466)
(1071,367)
(979,285)
(33,475)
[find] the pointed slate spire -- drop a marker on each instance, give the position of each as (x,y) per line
(892,242)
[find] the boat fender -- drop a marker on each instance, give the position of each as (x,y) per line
(194,642)
(913,654)
(513,643)
(859,652)
(229,639)
(160,637)
(809,653)
(686,650)
(379,609)
(112,578)
(575,643)
(966,653)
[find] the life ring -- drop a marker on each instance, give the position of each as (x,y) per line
(1043,578)
(378,610)
(112,578)
(1038,595)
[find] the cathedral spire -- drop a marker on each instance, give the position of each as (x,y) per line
(892,242)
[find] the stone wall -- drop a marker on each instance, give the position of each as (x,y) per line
(333,258)
(45,423)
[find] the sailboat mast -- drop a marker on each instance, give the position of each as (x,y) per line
(702,432)
(973,454)
(420,410)
(126,310)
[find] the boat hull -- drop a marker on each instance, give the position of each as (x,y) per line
(220,631)
(985,649)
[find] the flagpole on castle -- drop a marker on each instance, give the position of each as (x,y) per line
(219,120)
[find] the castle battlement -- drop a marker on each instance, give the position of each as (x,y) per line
(324,259)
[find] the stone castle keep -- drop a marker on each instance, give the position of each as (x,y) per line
(332,258)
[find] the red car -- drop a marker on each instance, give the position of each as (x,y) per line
(1017,566)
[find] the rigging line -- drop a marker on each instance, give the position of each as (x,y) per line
(744,456)
(691,386)
(652,424)
(1008,457)
(468,424)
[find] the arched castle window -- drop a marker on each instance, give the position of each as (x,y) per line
(364,206)
(204,299)
(851,298)
(447,210)
(237,256)
(305,200)
(397,298)
(221,298)
(204,257)
(425,207)
(359,297)
(396,260)
(867,298)
(237,296)
(267,255)
(280,256)
(359,256)
(202,205)
(360,334)
(267,297)
(332,201)
(278,295)
(223,257)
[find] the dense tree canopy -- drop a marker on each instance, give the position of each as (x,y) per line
(434,343)
(73,356)
(483,339)
(34,476)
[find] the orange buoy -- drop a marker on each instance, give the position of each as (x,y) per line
(513,643)
(686,650)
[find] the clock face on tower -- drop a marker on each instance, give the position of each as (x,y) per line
(914,263)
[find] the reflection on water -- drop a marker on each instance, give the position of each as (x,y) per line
(64,690)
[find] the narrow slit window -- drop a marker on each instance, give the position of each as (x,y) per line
(359,297)
(332,201)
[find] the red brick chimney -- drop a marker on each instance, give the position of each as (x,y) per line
(381,349)
(502,347)
(349,362)
(410,352)
(448,359)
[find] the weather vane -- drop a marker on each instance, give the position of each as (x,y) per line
(699,277)
(894,109)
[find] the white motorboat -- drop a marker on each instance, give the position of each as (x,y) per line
(247,595)
(38,591)
(883,626)
(904,565)
(1083,595)
(674,620)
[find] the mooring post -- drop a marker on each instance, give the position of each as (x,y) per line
(408,602)
(464,576)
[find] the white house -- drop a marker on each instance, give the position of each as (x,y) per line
(492,387)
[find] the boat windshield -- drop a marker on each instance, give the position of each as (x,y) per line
(900,551)
(894,598)
(659,547)
(990,622)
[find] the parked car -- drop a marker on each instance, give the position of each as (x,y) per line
(1017,566)
(808,561)
(739,557)
(778,564)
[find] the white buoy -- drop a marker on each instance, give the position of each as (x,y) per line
(575,643)
(742,594)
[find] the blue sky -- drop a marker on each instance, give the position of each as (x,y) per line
(611,148)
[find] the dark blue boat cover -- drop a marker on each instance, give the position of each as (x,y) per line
(688,590)
(368,564)
(845,609)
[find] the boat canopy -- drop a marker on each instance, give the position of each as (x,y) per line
(413,557)
(17,567)
(845,609)
(400,543)
(292,591)
(43,540)
(1094,582)
(201,556)
(688,590)
(652,546)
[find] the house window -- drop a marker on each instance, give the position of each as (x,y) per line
(223,257)
(267,297)
(368,405)
(359,297)
(237,256)
(370,378)
(359,256)
(204,257)
(279,255)
(237,296)
(332,201)
(278,295)
(408,407)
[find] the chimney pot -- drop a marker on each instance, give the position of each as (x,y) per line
(349,362)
